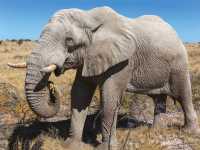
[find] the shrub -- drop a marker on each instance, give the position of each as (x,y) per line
(20,41)
(27,40)
(13,40)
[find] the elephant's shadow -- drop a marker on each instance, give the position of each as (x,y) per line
(24,134)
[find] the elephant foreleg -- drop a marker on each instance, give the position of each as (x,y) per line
(110,102)
(111,95)
(81,95)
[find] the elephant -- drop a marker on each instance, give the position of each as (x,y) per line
(115,53)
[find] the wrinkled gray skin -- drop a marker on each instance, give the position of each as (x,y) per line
(142,55)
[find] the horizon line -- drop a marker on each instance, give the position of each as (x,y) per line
(29,39)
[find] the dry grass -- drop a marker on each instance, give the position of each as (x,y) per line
(194,57)
(59,144)
(139,138)
(53,144)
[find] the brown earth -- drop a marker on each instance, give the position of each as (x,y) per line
(14,107)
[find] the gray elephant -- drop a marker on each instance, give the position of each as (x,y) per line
(142,55)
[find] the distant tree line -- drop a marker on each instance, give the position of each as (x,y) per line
(16,40)
(19,41)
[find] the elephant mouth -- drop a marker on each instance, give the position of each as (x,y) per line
(71,65)
(66,66)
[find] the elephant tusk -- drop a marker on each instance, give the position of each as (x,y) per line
(18,65)
(49,69)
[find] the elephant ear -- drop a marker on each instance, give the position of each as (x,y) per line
(104,54)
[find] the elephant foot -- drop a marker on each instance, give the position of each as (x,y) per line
(159,121)
(72,144)
(106,146)
(192,129)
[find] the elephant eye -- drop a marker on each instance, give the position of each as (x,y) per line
(69,41)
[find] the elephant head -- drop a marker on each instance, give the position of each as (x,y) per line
(92,40)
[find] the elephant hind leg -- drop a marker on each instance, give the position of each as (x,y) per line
(160,108)
(181,90)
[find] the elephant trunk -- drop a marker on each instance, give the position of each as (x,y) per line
(41,95)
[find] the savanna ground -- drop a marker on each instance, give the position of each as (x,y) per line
(140,137)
